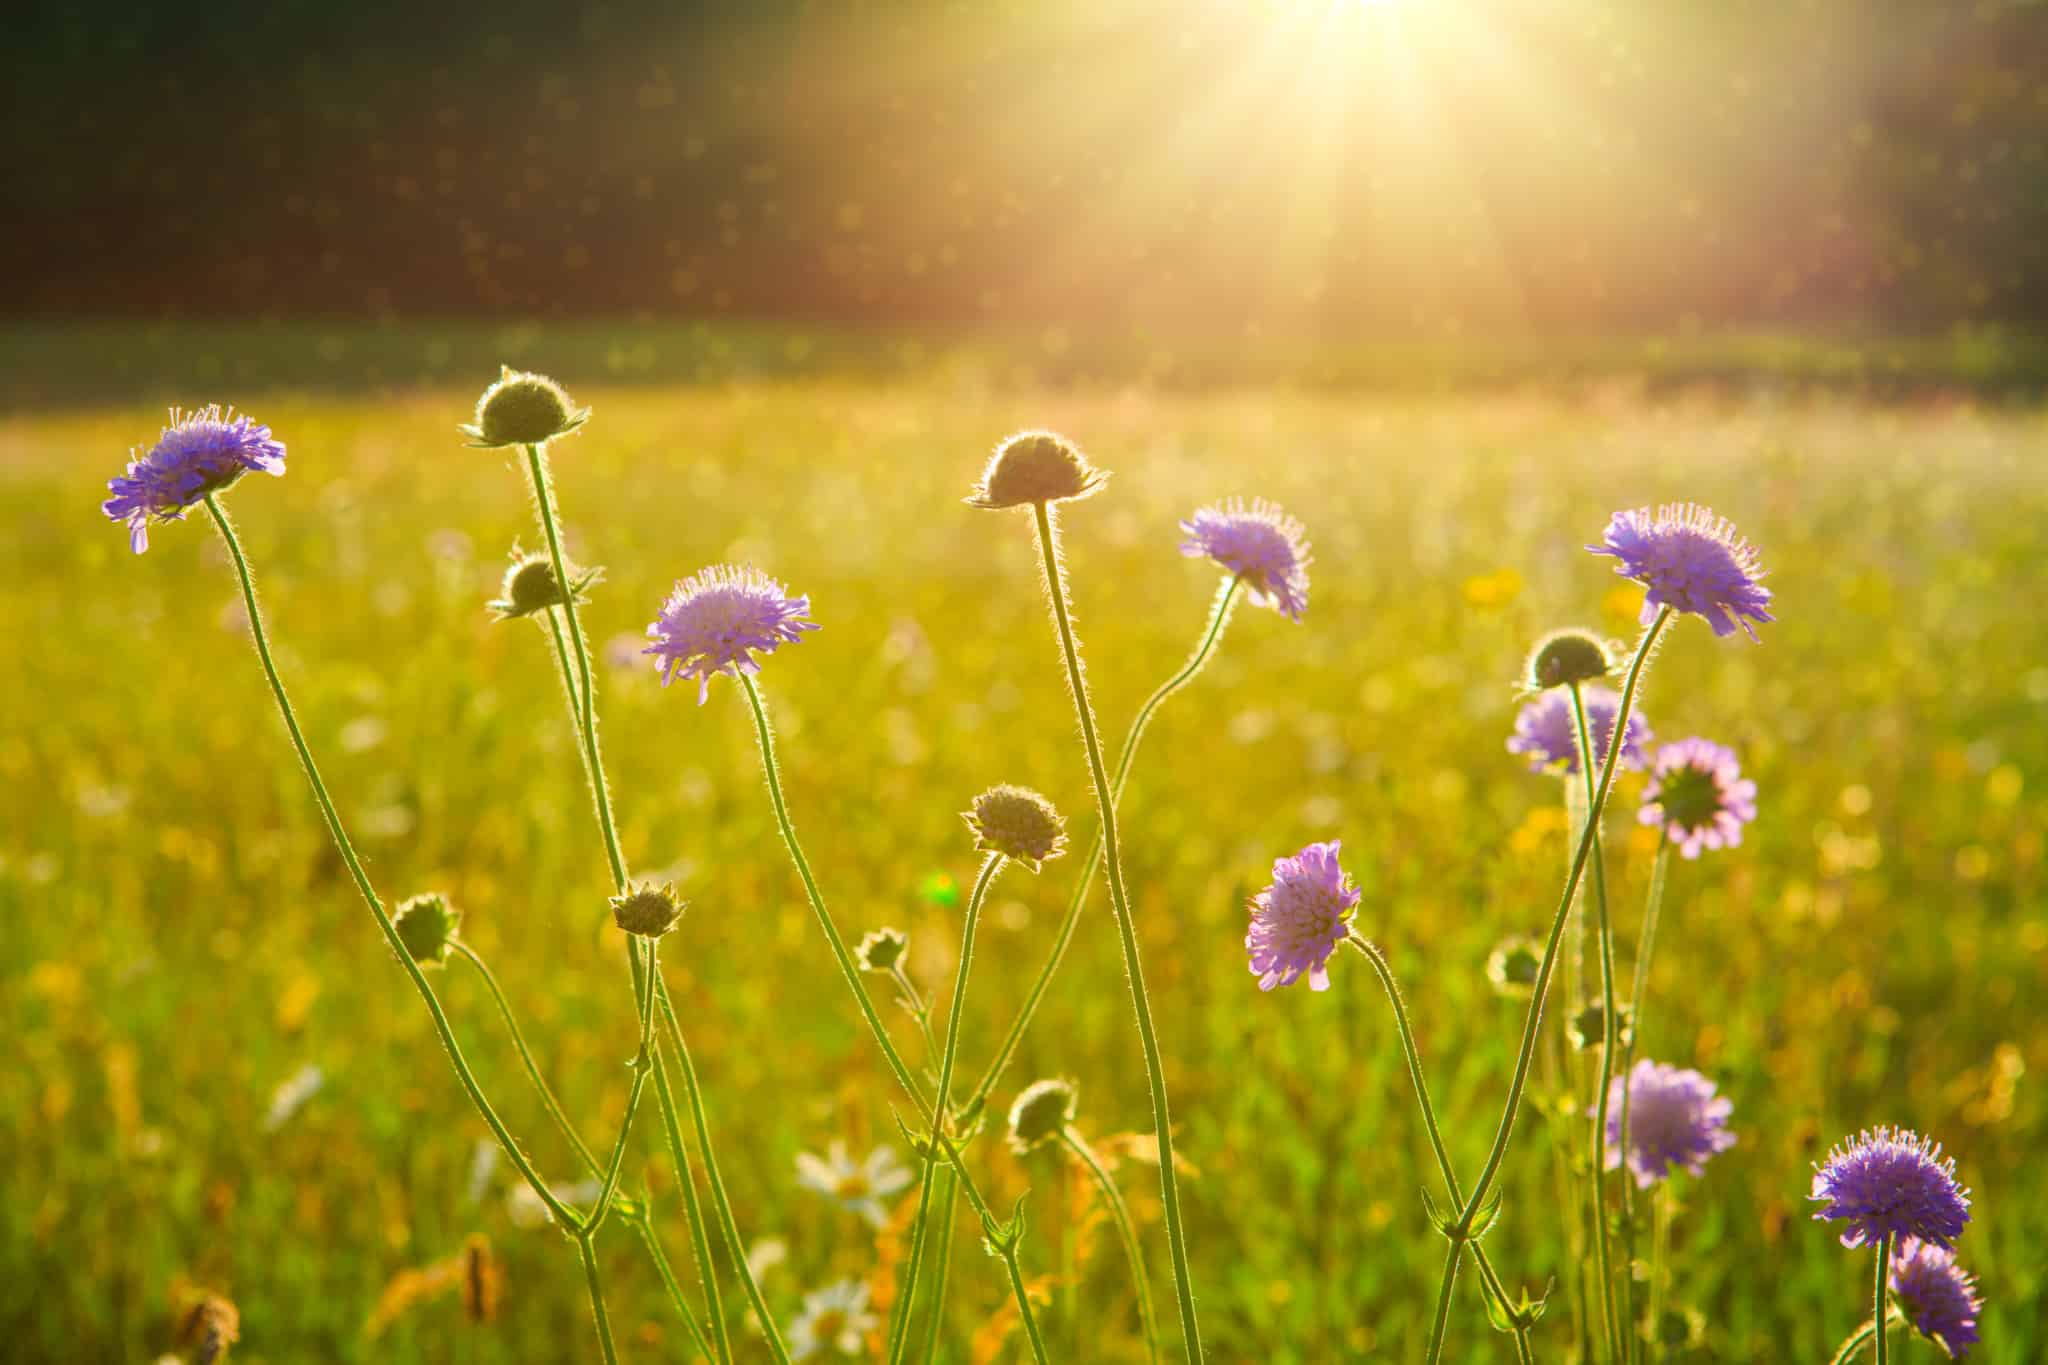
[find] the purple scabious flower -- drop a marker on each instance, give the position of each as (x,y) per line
(1261,545)
(1299,920)
(1938,1296)
(199,453)
(1675,1122)
(1547,732)
(1888,1182)
(1698,793)
(715,621)
(1691,561)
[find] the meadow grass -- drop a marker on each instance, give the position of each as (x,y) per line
(183,940)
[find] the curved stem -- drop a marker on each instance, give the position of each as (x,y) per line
(1853,1347)
(642,1064)
(1609,1032)
(588,1253)
(676,1298)
(561,1212)
(720,1202)
(533,1072)
(942,1260)
(1491,1281)
(1219,617)
(906,1301)
(1506,1130)
(1120,905)
(1638,990)
(1884,1260)
(1121,1215)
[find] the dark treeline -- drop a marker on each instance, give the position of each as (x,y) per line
(1312,169)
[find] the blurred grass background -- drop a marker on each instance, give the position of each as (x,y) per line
(184,941)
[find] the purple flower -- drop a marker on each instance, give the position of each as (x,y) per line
(1675,1122)
(1299,920)
(1690,560)
(1698,793)
(713,623)
(199,453)
(1546,731)
(1888,1182)
(1939,1297)
(1260,544)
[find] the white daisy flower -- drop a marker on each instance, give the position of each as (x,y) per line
(835,1318)
(859,1189)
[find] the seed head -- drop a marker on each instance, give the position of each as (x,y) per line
(881,950)
(1017,823)
(1042,1111)
(522,409)
(647,909)
(1036,467)
(426,925)
(1567,656)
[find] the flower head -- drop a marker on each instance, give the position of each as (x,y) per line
(1698,794)
(1017,823)
(1040,1112)
(1261,545)
(713,622)
(1567,656)
(522,409)
(530,586)
(199,453)
(1547,731)
(1298,921)
(1036,467)
(1891,1182)
(857,1188)
(426,925)
(647,909)
(1675,1122)
(1691,561)
(1513,965)
(1938,1296)
(881,949)
(835,1318)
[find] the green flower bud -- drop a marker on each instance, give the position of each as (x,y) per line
(1564,657)
(522,409)
(426,925)
(1036,467)
(647,909)
(881,950)
(1041,1112)
(530,587)
(1513,965)
(1588,1028)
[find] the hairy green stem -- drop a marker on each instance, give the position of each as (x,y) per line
(905,1303)
(1861,1337)
(1884,1261)
(642,1064)
(1113,1199)
(1435,1350)
(693,1095)
(1617,1347)
(914,1001)
(1506,1130)
(1638,991)
(700,1241)
(645,1227)
(561,1212)
(533,1071)
(1219,617)
(1120,906)
(1491,1281)
(587,1250)
(942,1260)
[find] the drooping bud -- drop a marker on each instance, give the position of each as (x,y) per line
(1513,965)
(881,950)
(530,586)
(522,409)
(1036,467)
(1041,1112)
(647,909)
(1018,823)
(426,925)
(1568,656)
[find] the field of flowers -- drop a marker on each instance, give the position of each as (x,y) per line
(224,1090)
